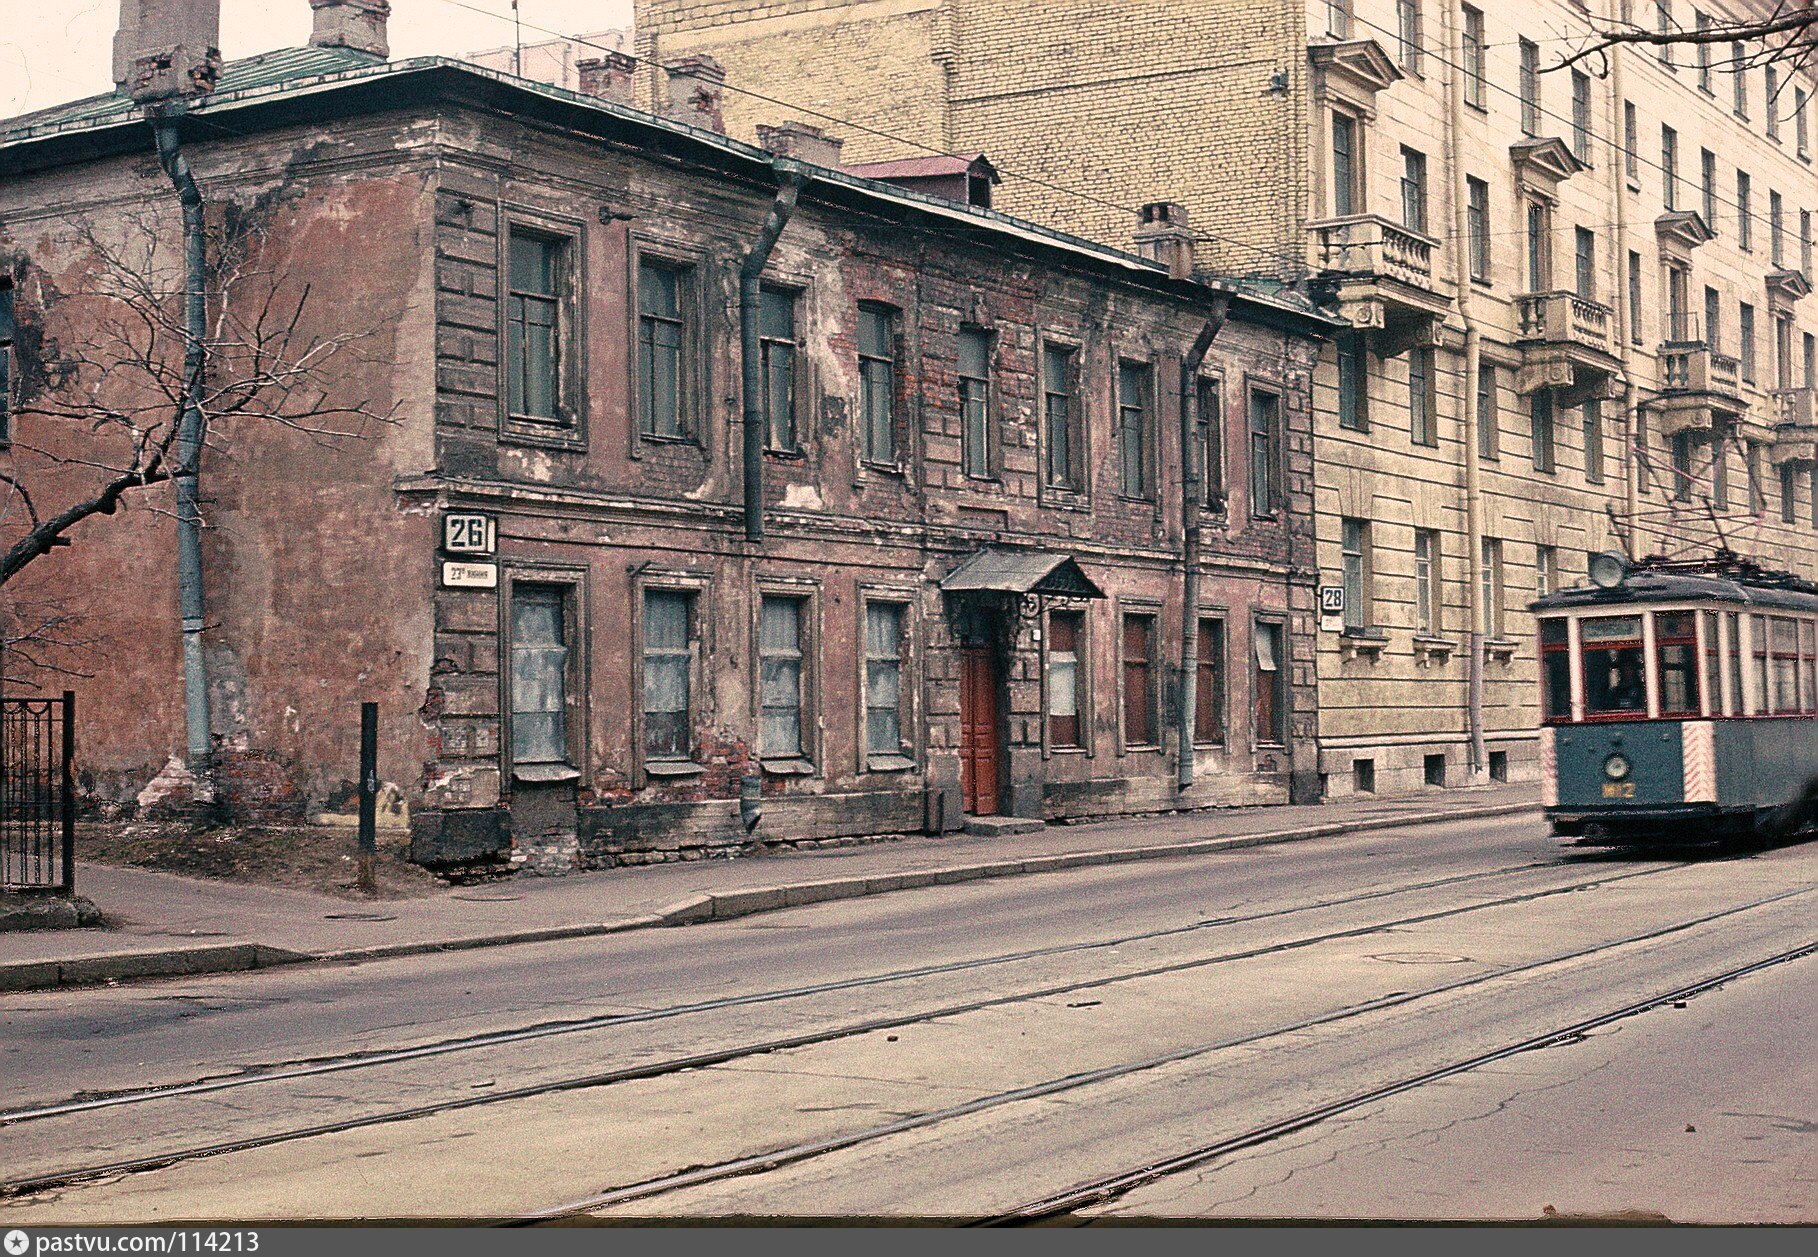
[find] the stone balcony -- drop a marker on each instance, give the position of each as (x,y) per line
(1795,427)
(1700,389)
(1383,278)
(1567,343)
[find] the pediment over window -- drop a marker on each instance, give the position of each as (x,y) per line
(1787,286)
(1543,163)
(1681,231)
(1356,69)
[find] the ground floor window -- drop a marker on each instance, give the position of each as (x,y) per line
(1065,629)
(668,674)
(539,674)
(781,682)
(1139,680)
(1271,684)
(1209,684)
(884,678)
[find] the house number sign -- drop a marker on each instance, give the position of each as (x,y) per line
(469,534)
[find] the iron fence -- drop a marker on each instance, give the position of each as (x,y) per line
(38,793)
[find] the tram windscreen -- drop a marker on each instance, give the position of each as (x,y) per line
(1615,668)
(1556,671)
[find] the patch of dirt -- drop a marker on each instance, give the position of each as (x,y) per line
(303,857)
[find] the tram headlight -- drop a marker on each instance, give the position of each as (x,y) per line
(1617,767)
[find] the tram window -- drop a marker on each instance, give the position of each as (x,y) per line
(1614,667)
(1786,665)
(1733,664)
(1713,660)
(1808,667)
(1676,649)
(1759,626)
(1556,671)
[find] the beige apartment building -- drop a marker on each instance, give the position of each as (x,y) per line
(1580,294)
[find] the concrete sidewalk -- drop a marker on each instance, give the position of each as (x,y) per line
(165,925)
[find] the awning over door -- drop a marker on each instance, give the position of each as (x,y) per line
(1021,572)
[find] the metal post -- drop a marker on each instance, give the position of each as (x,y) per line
(369,796)
(69,792)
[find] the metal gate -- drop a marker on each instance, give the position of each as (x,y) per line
(38,793)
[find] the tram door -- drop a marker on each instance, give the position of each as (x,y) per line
(981,752)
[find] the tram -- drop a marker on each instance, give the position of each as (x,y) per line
(1679,703)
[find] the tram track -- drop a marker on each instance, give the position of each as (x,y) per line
(777,1158)
(32,1184)
(309,1067)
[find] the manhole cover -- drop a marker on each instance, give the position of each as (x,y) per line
(1421,958)
(358,916)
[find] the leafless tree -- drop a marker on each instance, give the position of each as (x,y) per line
(1776,31)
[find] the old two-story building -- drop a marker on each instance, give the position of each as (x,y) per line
(727,498)
(1576,295)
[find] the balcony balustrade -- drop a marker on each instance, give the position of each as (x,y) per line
(1566,344)
(1383,276)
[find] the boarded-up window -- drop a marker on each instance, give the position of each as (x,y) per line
(1139,680)
(539,674)
(668,674)
(1064,678)
(1209,684)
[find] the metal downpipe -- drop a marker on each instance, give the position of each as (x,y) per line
(199,749)
(751,273)
(1192,498)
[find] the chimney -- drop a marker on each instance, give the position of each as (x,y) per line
(802,142)
(356,24)
(166,49)
(608,77)
(1162,236)
(696,86)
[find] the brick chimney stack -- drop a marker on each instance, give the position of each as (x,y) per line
(697,85)
(802,142)
(166,49)
(356,24)
(1163,236)
(608,77)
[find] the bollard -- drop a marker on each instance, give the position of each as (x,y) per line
(369,797)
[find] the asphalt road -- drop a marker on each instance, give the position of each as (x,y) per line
(1237,1036)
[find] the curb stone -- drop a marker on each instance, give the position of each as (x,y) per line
(698,909)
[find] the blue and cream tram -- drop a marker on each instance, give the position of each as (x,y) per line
(1679,702)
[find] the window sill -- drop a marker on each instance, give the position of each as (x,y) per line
(1430,650)
(672,768)
(657,438)
(889,764)
(1365,642)
(793,456)
(883,469)
(545,773)
(519,430)
(1500,650)
(793,767)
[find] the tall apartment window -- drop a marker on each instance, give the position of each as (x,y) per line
(662,335)
(1492,588)
(1679,318)
(1209,684)
(1546,571)
(1477,224)
(1789,493)
(1783,351)
(1801,133)
(1423,397)
(1591,412)
(1702,21)
(1584,254)
(1751,464)
(668,674)
(1581,116)
(1740,79)
(1135,424)
(1212,444)
(975,401)
(1140,725)
(1805,244)
(1489,427)
(1720,470)
(1770,105)
(877,382)
(1776,228)
(1354,557)
(1060,406)
(1540,247)
(1631,142)
(1635,334)
(884,678)
(1413,189)
(1707,186)
(1353,412)
(1426,581)
(1811,361)
(1713,318)
(1745,225)
(1265,457)
(535,337)
(1474,45)
(539,674)
(1745,338)
(1344,165)
(1407,13)
(776,353)
(1669,167)
(1338,19)
(1064,630)
(1529,84)
(1270,684)
(1542,423)
(781,678)
(1680,451)
(1663,22)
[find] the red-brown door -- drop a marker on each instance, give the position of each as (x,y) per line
(980,752)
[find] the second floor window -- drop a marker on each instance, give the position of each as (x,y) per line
(1345,165)
(877,383)
(1541,420)
(975,401)
(1592,415)
(1584,242)
(1135,424)
(1745,340)
(1492,588)
(1423,397)
(1477,223)
(1529,84)
(1540,247)
(1635,334)
(1353,411)
(1713,318)
(1212,444)
(1354,559)
(534,340)
(1489,426)
(662,333)
(1265,458)
(1413,190)
(1426,581)
(777,348)
(1065,461)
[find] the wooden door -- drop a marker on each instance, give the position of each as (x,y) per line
(980,750)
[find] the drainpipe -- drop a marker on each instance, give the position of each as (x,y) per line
(750,293)
(1631,396)
(1192,498)
(1473,487)
(190,435)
